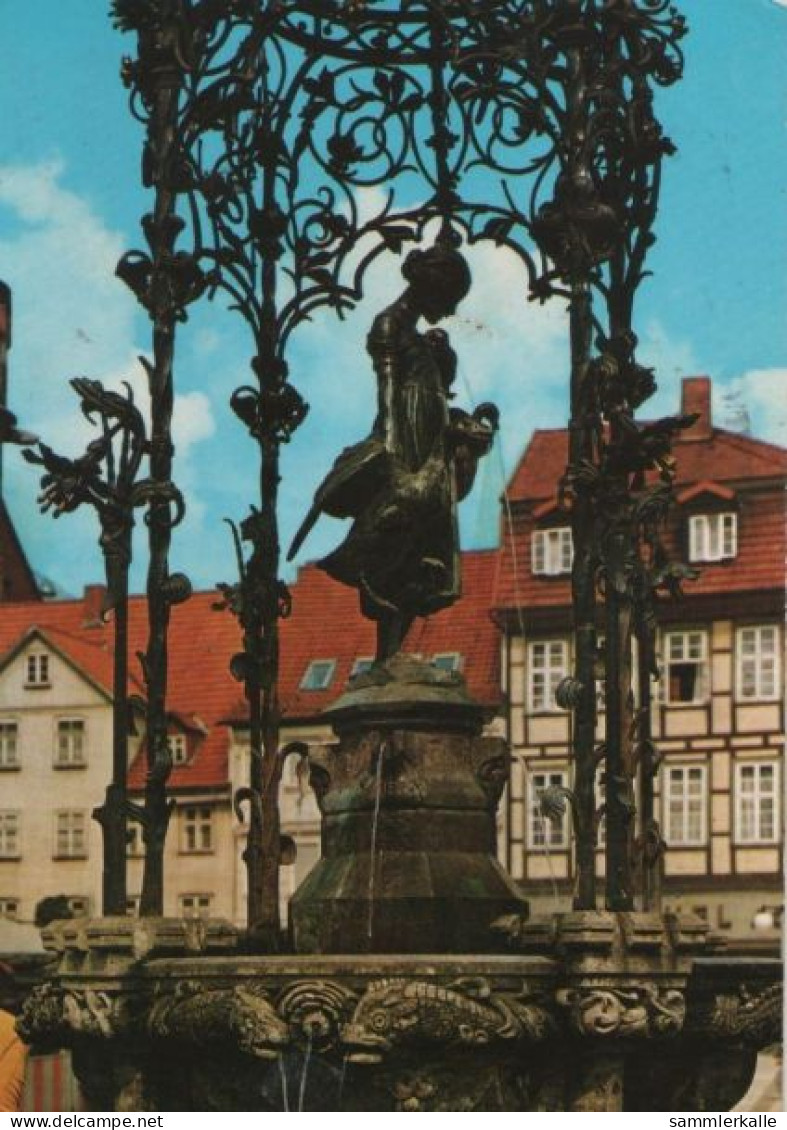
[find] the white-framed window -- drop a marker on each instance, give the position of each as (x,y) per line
(9,908)
(134,844)
(447,661)
(601,828)
(178,748)
(197,828)
(685,805)
(195,905)
(757,662)
(9,745)
(544,831)
(10,842)
(70,834)
(71,745)
(756,801)
(713,537)
(600,670)
(37,669)
(79,905)
(361,665)
(552,551)
(318,675)
(686,663)
(547,665)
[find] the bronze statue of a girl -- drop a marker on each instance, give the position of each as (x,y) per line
(402,483)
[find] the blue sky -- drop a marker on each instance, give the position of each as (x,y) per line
(70,202)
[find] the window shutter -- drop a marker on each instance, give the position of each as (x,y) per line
(697,530)
(538,546)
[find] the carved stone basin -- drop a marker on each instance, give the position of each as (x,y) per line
(605,1012)
(408,794)
(580,1011)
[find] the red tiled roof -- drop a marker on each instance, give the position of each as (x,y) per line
(326,623)
(62,623)
(722,458)
(200,643)
(705,487)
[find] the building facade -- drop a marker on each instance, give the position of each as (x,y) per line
(56,756)
(56,735)
(718,711)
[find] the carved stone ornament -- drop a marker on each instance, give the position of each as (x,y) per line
(492,768)
(641,1010)
(315,1011)
(752,1018)
(396,1013)
(454,1086)
(41,1018)
(51,1012)
(241,1016)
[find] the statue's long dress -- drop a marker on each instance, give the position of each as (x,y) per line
(398,484)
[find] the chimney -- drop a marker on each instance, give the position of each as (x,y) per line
(696,397)
(92,603)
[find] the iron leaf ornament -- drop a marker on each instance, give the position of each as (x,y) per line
(528,123)
(104,477)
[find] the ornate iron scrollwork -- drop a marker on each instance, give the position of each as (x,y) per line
(528,124)
(106,477)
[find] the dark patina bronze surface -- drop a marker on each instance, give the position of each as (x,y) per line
(408,795)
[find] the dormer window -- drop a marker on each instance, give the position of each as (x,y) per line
(37,669)
(361,665)
(178,748)
(713,537)
(552,551)
(447,661)
(318,675)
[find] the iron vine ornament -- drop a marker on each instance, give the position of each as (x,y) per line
(287,146)
(106,477)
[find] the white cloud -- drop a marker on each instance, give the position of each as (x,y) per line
(760,394)
(72,317)
(192,414)
(192,420)
(672,359)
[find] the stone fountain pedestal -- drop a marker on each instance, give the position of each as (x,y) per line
(408,795)
(598,1012)
(418,982)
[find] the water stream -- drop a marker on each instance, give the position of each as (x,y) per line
(373,850)
(304,1073)
(342,1079)
(285,1098)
